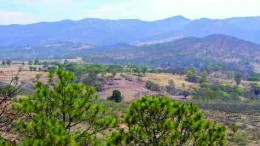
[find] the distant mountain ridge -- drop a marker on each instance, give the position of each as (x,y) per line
(186,52)
(218,49)
(101,32)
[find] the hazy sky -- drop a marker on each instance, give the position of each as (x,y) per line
(29,11)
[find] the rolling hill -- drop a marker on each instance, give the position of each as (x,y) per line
(187,52)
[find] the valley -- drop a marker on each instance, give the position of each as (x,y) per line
(125,73)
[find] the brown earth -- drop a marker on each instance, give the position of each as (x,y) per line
(134,88)
(130,90)
(26,76)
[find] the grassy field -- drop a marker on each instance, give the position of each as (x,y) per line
(163,78)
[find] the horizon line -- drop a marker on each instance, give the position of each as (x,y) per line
(107,19)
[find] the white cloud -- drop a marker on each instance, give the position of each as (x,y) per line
(9,17)
(45,3)
(157,9)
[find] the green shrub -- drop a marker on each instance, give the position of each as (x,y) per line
(152,86)
(116,96)
(170,88)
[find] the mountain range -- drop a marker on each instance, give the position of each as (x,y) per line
(173,42)
(100,32)
(197,52)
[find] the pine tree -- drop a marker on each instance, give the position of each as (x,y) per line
(3,142)
(116,96)
(238,79)
(155,121)
(191,75)
(4,63)
(68,104)
(43,131)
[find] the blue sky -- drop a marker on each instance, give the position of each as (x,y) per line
(30,11)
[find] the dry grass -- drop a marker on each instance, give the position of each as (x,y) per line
(6,74)
(132,90)
(248,123)
(244,84)
(163,78)
(76,60)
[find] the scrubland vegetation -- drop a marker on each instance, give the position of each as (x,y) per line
(65,103)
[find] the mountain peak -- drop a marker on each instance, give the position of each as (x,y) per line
(175,18)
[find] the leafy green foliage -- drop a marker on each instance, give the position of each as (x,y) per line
(237,107)
(33,68)
(191,75)
(69,104)
(219,92)
(36,62)
(144,69)
(44,131)
(238,78)
(203,78)
(152,86)
(3,142)
(10,90)
(254,77)
(170,88)
(116,96)
(161,121)
(94,74)
(115,68)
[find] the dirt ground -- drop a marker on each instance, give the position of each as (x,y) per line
(6,74)
(163,78)
(130,90)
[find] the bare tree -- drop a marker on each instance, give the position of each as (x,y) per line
(7,92)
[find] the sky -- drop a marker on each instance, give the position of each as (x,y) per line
(31,11)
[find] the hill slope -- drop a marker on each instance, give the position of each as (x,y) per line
(186,52)
(107,32)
